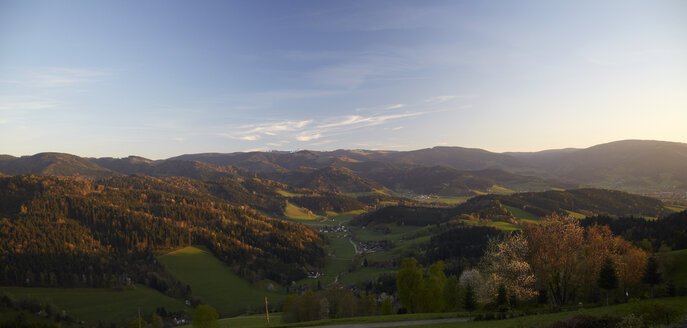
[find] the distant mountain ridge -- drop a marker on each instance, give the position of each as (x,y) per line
(644,166)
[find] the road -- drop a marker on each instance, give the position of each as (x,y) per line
(394,324)
(354,246)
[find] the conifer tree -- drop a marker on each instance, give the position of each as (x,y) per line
(651,275)
(608,279)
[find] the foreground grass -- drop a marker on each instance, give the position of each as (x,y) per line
(379,318)
(538,320)
(215,283)
(248,321)
(541,320)
(101,304)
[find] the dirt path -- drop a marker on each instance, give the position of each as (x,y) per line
(355,247)
(394,324)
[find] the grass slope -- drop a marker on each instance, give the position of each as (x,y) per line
(521,214)
(215,283)
(101,304)
(677,267)
(298,213)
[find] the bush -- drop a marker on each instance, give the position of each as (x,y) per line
(585,321)
(205,317)
(631,321)
(656,313)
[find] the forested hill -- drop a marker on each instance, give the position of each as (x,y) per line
(58,231)
(587,202)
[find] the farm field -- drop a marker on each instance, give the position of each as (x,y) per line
(101,304)
(215,283)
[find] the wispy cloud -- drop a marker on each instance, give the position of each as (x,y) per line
(26,105)
(362,121)
(309,130)
(250,150)
(307,136)
(274,128)
(439,99)
(62,77)
(397,106)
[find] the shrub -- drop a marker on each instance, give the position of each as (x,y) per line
(585,321)
(205,317)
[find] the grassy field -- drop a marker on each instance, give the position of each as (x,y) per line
(100,304)
(445,200)
(500,190)
(286,193)
(248,321)
(521,214)
(677,266)
(298,213)
(675,208)
(505,226)
(576,215)
(215,283)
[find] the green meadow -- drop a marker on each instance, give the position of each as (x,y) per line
(101,304)
(676,266)
(215,283)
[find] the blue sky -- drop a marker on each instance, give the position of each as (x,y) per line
(163,78)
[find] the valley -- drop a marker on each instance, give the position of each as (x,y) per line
(228,230)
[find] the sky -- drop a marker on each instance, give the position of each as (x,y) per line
(164,78)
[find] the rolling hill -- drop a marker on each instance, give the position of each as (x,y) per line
(489,208)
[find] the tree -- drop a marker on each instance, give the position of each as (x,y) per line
(502,298)
(555,254)
(633,261)
(505,263)
(608,279)
(409,284)
(136,324)
(469,303)
(156,321)
(452,293)
(651,275)
(433,288)
(387,307)
(205,316)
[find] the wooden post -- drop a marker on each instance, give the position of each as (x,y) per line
(267,311)
(139,317)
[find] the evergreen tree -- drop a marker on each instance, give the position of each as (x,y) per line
(651,275)
(608,279)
